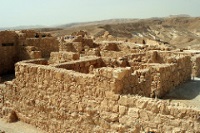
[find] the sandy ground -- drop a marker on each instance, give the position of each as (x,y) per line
(187,94)
(18,127)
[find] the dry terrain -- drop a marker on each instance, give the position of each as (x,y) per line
(181,32)
(18,127)
(188,94)
(119,75)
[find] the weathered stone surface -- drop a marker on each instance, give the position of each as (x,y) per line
(80,92)
(133,112)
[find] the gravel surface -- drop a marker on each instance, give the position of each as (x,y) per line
(17,127)
(187,93)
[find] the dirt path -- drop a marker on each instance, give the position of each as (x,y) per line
(18,127)
(188,93)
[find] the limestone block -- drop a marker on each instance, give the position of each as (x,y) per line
(131,101)
(117,127)
(117,86)
(115,108)
(122,110)
(197,126)
(152,107)
(167,128)
(123,100)
(119,74)
(143,115)
(108,116)
(111,47)
(141,104)
(58,75)
(78,46)
(126,120)
(133,112)
(104,105)
(164,110)
(111,95)
(174,123)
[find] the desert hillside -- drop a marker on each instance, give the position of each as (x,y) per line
(180,31)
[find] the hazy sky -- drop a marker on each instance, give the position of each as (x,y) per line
(54,12)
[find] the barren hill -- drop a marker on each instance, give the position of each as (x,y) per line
(179,31)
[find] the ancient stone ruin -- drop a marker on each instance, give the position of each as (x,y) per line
(77,84)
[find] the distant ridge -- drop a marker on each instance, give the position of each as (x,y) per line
(100,22)
(23,27)
(180,15)
(108,21)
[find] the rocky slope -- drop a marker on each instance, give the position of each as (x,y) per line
(182,32)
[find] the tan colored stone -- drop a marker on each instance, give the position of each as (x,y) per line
(122,110)
(111,95)
(133,112)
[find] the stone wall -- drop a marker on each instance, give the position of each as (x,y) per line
(82,66)
(156,80)
(45,45)
(137,40)
(17,45)
(169,71)
(115,54)
(196,65)
(8,53)
(60,100)
(55,97)
(60,57)
(28,52)
(152,79)
(167,76)
(151,42)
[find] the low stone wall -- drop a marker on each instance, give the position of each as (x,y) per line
(60,57)
(138,82)
(40,61)
(59,100)
(28,52)
(55,99)
(8,53)
(82,66)
(156,80)
(45,45)
(152,42)
(120,54)
(16,46)
(70,47)
(168,76)
(196,65)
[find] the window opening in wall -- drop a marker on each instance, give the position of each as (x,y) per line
(37,35)
(7,77)
(7,44)
(43,35)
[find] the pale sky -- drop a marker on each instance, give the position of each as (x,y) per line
(55,12)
